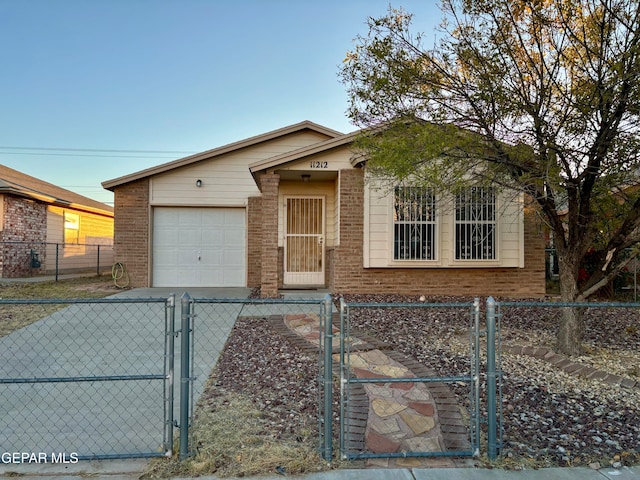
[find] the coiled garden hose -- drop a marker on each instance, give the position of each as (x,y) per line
(119,275)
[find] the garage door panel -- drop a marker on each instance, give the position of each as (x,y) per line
(216,237)
(199,247)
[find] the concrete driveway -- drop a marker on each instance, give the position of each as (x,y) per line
(122,338)
(101,418)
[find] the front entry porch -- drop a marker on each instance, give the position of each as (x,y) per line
(298,229)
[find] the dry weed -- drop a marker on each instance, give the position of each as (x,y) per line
(232,440)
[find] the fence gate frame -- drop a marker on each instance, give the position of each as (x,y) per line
(473,379)
(166,374)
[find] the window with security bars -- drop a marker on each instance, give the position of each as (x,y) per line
(475,224)
(414,224)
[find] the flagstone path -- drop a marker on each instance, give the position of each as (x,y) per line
(389,417)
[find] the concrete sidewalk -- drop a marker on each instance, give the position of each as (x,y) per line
(132,469)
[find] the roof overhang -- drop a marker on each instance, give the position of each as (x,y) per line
(262,166)
(248,142)
(18,191)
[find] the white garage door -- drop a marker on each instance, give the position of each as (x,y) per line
(199,247)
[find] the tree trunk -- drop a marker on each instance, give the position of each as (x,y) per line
(571,323)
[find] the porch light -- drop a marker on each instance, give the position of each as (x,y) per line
(305,177)
(198,183)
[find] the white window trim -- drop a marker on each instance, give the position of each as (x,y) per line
(378,230)
(437,243)
(493,262)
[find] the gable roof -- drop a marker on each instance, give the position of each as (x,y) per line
(303,152)
(231,147)
(13,182)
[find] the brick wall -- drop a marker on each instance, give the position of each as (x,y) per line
(131,230)
(269,276)
(349,275)
(254,242)
(24,221)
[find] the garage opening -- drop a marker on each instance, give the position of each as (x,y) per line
(199,247)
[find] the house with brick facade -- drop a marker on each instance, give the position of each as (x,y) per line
(45,228)
(295,208)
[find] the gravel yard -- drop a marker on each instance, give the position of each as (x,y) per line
(551,418)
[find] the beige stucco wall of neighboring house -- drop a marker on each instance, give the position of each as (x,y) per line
(93,230)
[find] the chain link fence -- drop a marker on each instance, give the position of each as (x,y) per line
(84,378)
(125,377)
(394,403)
(263,347)
(29,259)
(582,408)
(121,377)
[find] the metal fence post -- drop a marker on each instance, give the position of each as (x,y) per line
(343,375)
(491,380)
(184,374)
(327,449)
(170,328)
(57,259)
(475,376)
(98,263)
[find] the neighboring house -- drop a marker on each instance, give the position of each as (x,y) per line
(292,209)
(45,227)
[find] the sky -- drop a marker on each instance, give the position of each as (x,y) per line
(91,90)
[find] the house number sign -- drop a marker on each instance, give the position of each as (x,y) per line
(316,164)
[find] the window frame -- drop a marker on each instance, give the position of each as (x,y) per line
(71,218)
(430,224)
(483,222)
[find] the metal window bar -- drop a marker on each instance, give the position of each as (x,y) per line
(347,380)
(475,224)
(414,223)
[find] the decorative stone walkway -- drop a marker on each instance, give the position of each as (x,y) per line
(567,365)
(408,417)
(390,417)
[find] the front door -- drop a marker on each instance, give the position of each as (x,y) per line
(304,241)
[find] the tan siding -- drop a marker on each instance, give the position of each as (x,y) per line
(226,180)
(380,234)
(94,230)
(379,231)
(336,160)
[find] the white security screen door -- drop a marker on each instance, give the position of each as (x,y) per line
(304,241)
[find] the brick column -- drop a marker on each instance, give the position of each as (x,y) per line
(269,275)
(131,230)
(347,262)
(254,242)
